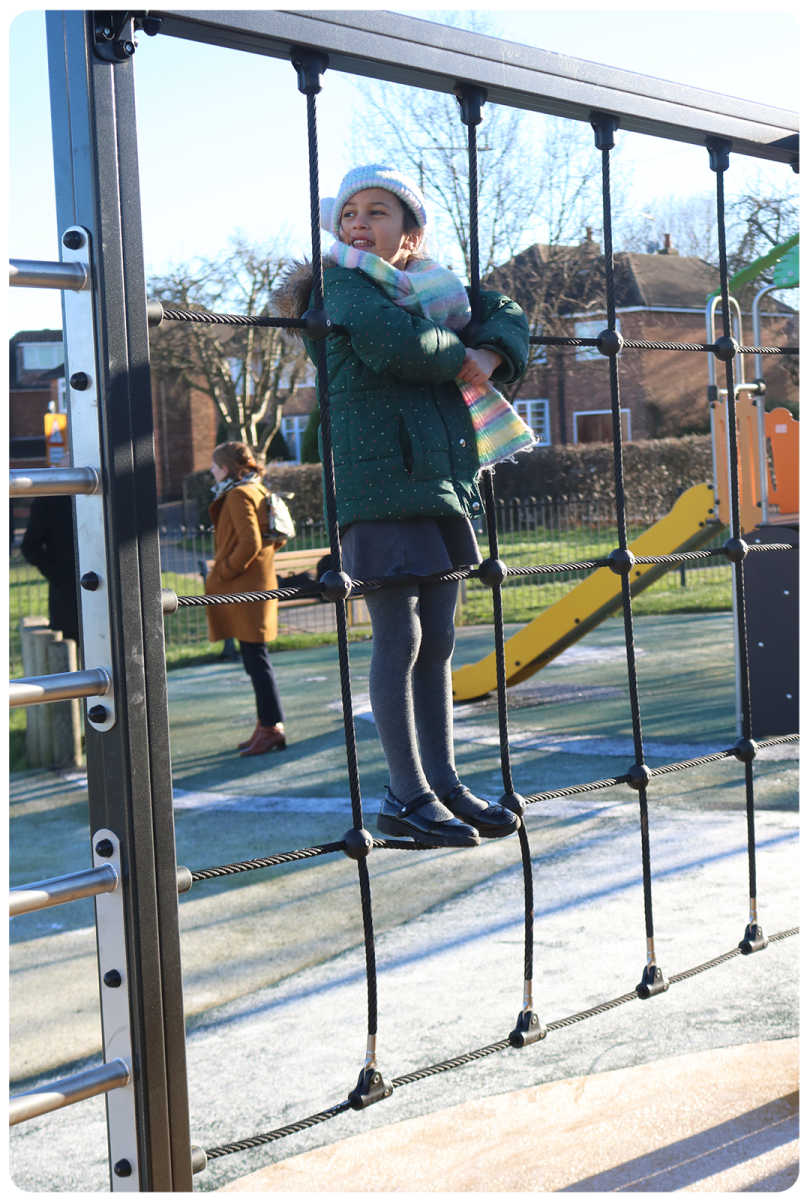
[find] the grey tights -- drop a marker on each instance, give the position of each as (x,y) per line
(410,685)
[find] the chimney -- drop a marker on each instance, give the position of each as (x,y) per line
(589,246)
(668,248)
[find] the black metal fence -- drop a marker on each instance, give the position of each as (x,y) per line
(535,530)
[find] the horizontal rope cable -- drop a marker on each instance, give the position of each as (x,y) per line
(262,1139)
(474,1055)
(634,344)
(208,318)
(600,784)
(202,317)
(272,860)
(305,590)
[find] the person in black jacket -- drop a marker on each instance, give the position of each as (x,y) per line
(48,545)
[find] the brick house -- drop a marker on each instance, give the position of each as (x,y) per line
(659,297)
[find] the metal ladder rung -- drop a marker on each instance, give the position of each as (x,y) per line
(45,893)
(62,1092)
(65,276)
(68,685)
(54,481)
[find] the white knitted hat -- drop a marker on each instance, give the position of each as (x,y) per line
(370,176)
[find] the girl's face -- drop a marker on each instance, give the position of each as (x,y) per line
(372,220)
(220,473)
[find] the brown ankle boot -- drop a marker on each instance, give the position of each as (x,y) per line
(244,745)
(266,738)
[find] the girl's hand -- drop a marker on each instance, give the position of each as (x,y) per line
(478,365)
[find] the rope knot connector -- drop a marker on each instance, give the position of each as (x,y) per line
(718,153)
(725,348)
(744,749)
(621,562)
(472,98)
(653,982)
(513,802)
(492,572)
(609,342)
(357,843)
(318,324)
(639,776)
(335,585)
(753,939)
(371,1087)
(735,549)
(604,126)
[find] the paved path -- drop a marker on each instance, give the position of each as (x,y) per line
(716,1121)
(273,962)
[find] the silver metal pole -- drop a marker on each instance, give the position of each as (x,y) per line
(24,272)
(42,689)
(763,457)
(54,481)
(30,897)
(47,1099)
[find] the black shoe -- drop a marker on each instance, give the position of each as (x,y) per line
(490,820)
(424,819)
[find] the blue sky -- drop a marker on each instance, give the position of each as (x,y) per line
(222,137)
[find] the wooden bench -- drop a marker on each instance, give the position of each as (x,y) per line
(295,562)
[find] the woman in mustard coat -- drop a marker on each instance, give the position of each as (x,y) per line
(243,562)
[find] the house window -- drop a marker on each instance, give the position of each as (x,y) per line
(535,414)
(597,425)
(42,356)
(590,329)
(292,430)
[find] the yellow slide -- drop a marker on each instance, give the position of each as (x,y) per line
(688,526)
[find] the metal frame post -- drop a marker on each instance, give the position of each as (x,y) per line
(128,763)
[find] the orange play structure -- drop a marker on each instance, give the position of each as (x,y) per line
(780,462)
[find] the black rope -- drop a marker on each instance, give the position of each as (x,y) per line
(203,317)
(719,163)
(337,560)
(462,1060)
(604,128)
(635,344)
(307,590)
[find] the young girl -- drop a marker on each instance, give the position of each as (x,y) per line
(243,562)
(405,457)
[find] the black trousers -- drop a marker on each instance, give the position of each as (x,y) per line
(258,666)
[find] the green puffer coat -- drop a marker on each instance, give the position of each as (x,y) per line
(402,438)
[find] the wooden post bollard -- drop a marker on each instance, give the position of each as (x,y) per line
(41,639)
(28,625)
(66,717)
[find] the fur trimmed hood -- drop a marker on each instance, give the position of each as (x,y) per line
(291,297)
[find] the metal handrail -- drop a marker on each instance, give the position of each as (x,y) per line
(46,893)
(67,276)
(68,685)
(54,481)
(62,1092)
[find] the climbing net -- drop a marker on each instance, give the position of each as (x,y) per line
(336,586)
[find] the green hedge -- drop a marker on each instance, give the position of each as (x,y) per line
(654,470)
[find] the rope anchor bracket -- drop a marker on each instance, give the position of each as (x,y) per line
(753,939)
(653,982)
(371,1087)
(528,1030)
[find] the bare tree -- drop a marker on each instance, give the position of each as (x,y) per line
(248,371)
(762,216)
(540,200)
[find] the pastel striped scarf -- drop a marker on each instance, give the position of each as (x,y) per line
(429,290)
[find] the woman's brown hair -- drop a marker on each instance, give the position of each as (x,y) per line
(237,458)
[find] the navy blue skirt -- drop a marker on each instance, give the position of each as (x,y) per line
(411,546)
